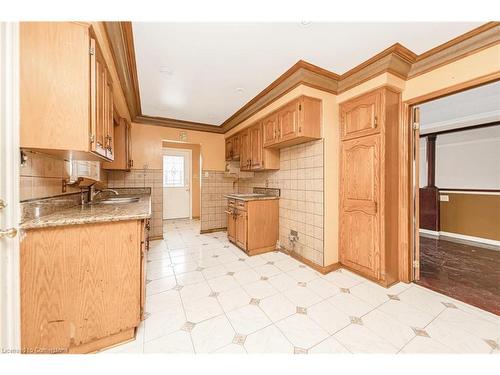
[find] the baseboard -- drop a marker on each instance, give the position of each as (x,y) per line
(461,238)
(212,230)
(321,269)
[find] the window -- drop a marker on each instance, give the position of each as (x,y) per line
(173,171)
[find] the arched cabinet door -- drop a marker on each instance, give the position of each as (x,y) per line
(359,208)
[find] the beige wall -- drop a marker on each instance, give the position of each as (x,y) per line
(474,215)
(147,146)
(195,173)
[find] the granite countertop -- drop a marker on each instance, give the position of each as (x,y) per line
(94,213)
(248,197)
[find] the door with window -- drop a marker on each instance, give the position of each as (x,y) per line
(176,183)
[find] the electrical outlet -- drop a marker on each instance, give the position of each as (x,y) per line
(444,198)
(294,233)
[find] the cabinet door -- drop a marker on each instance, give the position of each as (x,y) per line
(98,101)
(288,118)
(360,116)
(256,147)
(229,149)
(109,123)
(245,151)
(241,229)
(270,130)
(231,226)
(236,147)
(359,211)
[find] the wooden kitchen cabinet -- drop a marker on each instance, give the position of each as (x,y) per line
(253,225)
(369,179)
(122,146)
(66,97)
(253,156)
(296,122)
(233,148)
(360,116)
(82,286)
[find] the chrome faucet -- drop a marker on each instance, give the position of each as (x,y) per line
(92,193)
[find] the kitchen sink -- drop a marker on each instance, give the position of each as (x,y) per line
(117,200)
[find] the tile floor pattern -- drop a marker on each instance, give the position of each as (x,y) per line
(204,295)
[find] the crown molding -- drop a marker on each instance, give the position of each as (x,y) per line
(180,124)
(121,40)
(466,44)
(301,73)
(397,60)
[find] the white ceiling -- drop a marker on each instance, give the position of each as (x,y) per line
(477,106)
(191,71)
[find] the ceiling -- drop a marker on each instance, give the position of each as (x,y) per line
(204,72)
(477,106)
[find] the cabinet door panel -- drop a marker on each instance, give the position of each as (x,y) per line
(288,121)
(360,116)
(229,149)
(236,147)
(98,101)
(270,130)
(231,227)
(256,147)
(241,229)
(360,185)
(245,151)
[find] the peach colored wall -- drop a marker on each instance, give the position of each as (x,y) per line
(331,134)
(195,172)
(147,146)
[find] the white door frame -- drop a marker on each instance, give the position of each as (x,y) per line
(173,149)
(10,326)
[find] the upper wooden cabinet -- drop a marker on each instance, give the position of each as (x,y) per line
(296,122)
(369,185)
(361,116)
(122,146)
(66,97)
(253,156)
(233,148)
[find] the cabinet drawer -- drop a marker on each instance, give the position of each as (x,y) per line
(241,205)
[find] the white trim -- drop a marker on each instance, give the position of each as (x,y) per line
(463,237)
(430,233)
(10,326)
(469,192)
(173,149)
(486,241)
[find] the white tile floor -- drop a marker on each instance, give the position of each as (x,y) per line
(205,295)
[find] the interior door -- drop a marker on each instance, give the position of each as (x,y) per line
(359,219)
(9,186)
(176,183)
(415,121)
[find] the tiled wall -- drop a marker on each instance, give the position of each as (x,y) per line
(151,178)
(213,204)
(301,181)
(42,175)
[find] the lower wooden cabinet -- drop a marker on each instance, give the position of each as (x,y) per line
(253,225)
(82,286)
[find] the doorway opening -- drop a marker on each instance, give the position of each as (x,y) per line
(181,180)
(456,174)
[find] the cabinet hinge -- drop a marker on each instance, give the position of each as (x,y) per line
(92,51)
(416,126)
(300,107)
(416,264)
(92,138)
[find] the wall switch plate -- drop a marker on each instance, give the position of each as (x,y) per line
(444,198)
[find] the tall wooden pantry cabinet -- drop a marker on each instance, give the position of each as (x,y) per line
(369,175)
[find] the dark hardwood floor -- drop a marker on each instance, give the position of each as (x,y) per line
(468,273)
